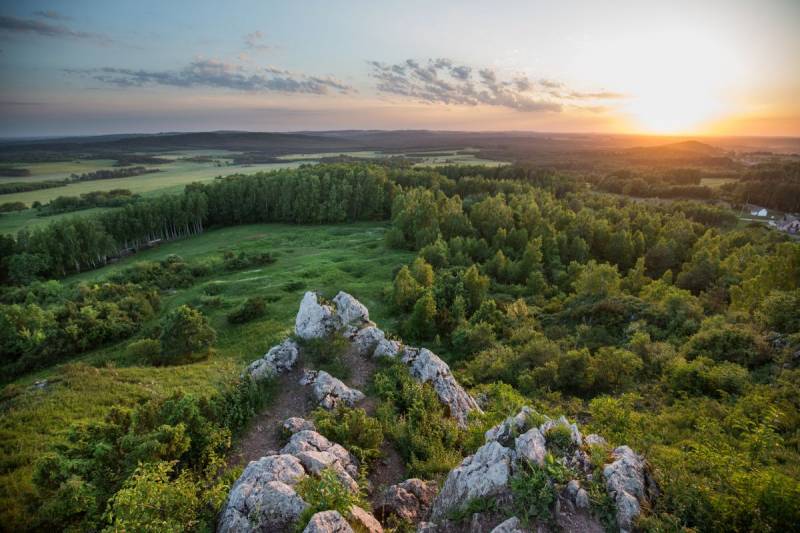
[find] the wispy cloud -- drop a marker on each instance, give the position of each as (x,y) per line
(219,74)
(255,41)
(14,25)
(442,80)
(50,14)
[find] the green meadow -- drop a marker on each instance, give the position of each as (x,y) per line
(350,257)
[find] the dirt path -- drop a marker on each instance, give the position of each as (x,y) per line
(293,399)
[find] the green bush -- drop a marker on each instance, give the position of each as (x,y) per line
(326,354)
(703,376)
(324,493)
(148,350)
(361,434)
(532,494)
(251,309)
(185,336)
(559,440)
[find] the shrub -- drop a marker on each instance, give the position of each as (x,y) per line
(533,494)
(352,428)
(251,309)
(703,376)
(737,343)
(326,354)
(559,440)
(145,349)
(186,335)
(324,493)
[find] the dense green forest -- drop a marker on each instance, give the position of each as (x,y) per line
(667,327)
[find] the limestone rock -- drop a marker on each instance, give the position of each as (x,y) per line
(575,433)
(512,525)
(263,506)
(387,348)
(277,360)
(364,521)
(294,424)
(625,483)
(484,474)
(329,391)
(410,500)
(349,311)
(508,429)
(314,320)
(328,522)
(366,340)
(582,499)
(595,440)
(426,366)
(311,441)
(531,446)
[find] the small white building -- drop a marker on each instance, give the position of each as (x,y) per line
(759,212)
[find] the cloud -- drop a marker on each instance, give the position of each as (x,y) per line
(219,74)
(14,25)
(443,81)
(255,41)
(50,14)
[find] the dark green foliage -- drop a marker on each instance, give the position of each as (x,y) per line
(362,435)
(324,493)
(326,354)
(559,441)
(185,336)
(251,309)
(533,495)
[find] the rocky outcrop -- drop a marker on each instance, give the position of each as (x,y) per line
(410,500)
(485,474)
(295,424)
(349,311)
(531,446)
(330,391)
(277,360)
(328,522)
(626,484)
(427,367)
(263,498)
(366,340)
(314,320)
(512,525)
(316,453)
(363,521)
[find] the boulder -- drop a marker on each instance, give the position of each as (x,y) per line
(311,441)
(387,348)
(531,446)
(410,500)
(328,522)
(508,429)
(426,366)
(512,525)
(265,506)
(625,483)
(294,424)
(366,340)
(349,311)
(314,320)
(329,391)
(316,462)
(279,359)
(595,440)
(485,474)
(363,521)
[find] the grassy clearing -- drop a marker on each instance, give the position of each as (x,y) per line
(347,257)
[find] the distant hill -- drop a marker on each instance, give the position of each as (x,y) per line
(678,149)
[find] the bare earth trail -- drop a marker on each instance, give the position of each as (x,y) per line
(292,399)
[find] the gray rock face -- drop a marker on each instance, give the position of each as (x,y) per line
(531,446)
(595,440)
(387,348)
(575,433)
(328,522)
(512,525)
(481,475)
(426,366)
(349,311)
(507,431)
(625,483)
(366,340)
(363,521)
(294,424)
(279,359)
(410,500)
(263,498)
(315,452)
(329,391)
(314,320)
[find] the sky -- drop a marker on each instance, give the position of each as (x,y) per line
(704,67)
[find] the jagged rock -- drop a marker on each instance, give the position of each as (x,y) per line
(263,506)
(512,525)
(311,441)
(328,522)
(387,348)
(364,521)
(575,433)
(366,340)
(316,462)
(314,320)
(426,366)
(349,311)
(582,499)
(330,391)
(410,500)
(531,446)
(294,424)
(625,483)
(481,475)
(595,440)
(508,429)
(426,527)
(277,360)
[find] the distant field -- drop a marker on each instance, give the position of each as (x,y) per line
(349,257)
(715,183)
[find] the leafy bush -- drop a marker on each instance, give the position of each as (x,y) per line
(324,493)
(533,494)
(148,350)
(185,336)
(362,435)
(251,309)
(326,354)
(703,376)
(559,440)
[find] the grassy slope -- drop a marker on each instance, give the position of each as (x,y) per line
(325,258)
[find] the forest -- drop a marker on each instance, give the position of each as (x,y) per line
(670,327)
